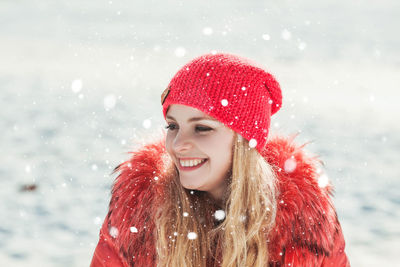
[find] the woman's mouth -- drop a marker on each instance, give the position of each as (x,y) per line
(190,165)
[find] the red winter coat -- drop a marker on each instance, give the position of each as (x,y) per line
(307,231)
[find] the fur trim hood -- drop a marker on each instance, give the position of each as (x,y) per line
(306,233)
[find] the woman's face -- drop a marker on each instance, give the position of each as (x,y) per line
(193,135)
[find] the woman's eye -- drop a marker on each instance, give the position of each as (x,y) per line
(198,128)
(203,129)
(170,126)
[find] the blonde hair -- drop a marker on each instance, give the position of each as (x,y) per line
(241,239)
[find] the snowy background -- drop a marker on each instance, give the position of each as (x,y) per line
(81,82)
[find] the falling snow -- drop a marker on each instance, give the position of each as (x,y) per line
(219,215)
(290,165)
(109,101)
(146,123)
(97,220)
(27,168)
(114,231)
(76,86)
(133,229)
(323,180)
(371,98)
(224,102)
(180,52)
(302,45)
(286,35)
(207,31)
(252,143)
(266,37)
(72,126)
(192,235)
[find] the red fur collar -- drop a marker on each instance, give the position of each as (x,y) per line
(305,215)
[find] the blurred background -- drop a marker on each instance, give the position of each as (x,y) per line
(80,85)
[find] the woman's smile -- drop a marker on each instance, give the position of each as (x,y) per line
(189,165)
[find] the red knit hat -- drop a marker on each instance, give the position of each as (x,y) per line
(232,89)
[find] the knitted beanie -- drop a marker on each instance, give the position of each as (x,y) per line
(232,89)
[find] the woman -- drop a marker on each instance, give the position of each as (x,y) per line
(216,190)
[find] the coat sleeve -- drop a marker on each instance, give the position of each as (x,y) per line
(302,256)
(338,256)
(106,254)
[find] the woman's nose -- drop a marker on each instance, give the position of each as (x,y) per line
(182,142)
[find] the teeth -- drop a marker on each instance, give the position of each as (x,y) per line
(191,163)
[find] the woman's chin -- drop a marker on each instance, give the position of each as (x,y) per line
(190,186)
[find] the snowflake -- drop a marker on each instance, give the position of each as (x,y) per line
(323,180)
(302,46)
(97,220)
(266,37)
(146,123)
(286,35)
(252,143)
(76,85)
(109,101)
(180,51)
(219,215)
(207,31)
(114,231)
(28,168)
(192,235)
(290,165)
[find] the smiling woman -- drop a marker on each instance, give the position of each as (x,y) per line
(224,192)
(193,136)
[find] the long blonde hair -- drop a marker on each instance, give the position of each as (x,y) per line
(241,239)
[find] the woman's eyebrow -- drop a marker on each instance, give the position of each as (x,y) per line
(194,118)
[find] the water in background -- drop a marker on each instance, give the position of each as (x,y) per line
(81,82)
